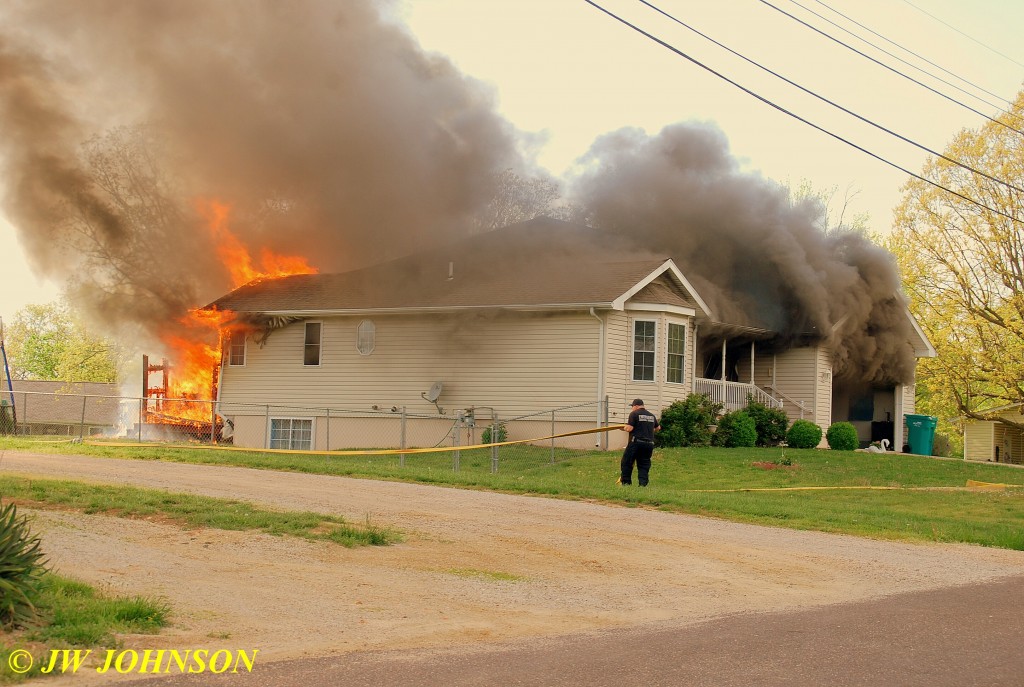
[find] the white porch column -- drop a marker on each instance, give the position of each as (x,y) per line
(751,363)
(897,425)
(723,360)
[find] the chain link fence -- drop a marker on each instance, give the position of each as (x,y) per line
(472,438)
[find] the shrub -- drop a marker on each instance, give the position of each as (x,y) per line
(686,422)
(502,434)
(21,566)
(735,429)
(803,434)
(842,436)
(771,423)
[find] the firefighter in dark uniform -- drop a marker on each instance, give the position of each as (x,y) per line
(641,425)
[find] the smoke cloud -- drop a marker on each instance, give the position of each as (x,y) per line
(324,126)
(333,136)
(754,256)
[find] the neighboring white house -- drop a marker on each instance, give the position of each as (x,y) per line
(510,323)
(995,441)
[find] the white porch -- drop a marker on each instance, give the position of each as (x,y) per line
(733,395)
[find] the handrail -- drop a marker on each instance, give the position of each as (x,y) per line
(799,404)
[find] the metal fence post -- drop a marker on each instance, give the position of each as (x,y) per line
(604,435)
(81,426)
(494,441)
(141,401)
(401,456)
(266,430)
(213,422)
(552,437)
(456,454)
(328,447)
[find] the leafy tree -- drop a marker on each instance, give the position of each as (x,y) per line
(47,342)
(518,198)
(963,271)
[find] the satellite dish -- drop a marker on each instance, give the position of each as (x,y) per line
(435,391)
(434,394)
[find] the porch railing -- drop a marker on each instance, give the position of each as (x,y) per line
(733,395)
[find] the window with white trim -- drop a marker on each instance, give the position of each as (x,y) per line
(236,349)
(291,433)
(366,336)
(674,353)
(644,337)
(311,352)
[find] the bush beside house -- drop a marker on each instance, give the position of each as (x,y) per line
(687,422)
(803,434)
(842,436)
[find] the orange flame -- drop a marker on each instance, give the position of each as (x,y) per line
(194,358)
(236,257)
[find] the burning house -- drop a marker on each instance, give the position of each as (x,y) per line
(520,320)
(327,133)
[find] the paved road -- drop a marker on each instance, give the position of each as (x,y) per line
(970,636)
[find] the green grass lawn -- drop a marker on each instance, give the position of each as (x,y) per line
(927,504)
(73,615)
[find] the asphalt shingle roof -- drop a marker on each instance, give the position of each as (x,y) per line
(539,263)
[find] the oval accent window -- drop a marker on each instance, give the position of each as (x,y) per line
(366,333)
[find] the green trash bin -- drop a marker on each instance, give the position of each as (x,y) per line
(921,433)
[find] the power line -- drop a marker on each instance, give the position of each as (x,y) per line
(1007,57)
(896,71)
(896,57)
(832,103)
(796,116)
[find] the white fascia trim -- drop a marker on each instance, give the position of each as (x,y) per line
(567,307)
(667,266)
(654,307)
(929,350)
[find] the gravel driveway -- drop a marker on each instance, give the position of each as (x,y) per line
(475,567)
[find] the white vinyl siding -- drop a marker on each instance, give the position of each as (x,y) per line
(823,387)
(794,373)
(645,338)
(517,363)
(311,343)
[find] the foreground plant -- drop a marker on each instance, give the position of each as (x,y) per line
(22,565)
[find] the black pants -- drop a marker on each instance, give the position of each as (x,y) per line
(638,452)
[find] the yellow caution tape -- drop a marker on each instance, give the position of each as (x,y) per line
(990,486)
(368,452)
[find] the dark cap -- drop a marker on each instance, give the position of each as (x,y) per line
(637,402)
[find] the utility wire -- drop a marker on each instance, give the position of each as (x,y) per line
(896,71)
(900,59)
(834,104)
(809,123)
(964,34)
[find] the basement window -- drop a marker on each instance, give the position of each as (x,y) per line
(311,352)
(644,332)
(291,433)
(366,336)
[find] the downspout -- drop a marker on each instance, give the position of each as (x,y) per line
(693,362)
(600,373)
